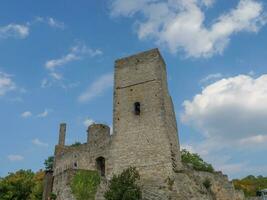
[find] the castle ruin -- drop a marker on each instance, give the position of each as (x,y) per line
(144,136)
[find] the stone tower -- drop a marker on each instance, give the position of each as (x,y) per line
(145,130)
(62,134)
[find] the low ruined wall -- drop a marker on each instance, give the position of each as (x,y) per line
(48,185)
(221,188)
(61,185)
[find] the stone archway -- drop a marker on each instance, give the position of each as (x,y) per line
(100,165)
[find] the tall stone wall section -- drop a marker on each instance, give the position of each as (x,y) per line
(147,141)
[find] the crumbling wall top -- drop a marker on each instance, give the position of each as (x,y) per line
(145,56)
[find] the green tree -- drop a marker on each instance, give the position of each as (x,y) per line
(17,186)
(49,163)
(196,161)
(124,186)
(37,190)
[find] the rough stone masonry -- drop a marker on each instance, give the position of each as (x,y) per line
(144,135)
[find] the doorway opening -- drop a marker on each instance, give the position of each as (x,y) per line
(100,165)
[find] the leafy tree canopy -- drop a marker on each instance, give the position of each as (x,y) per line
(196,161)
(124,186)
(23,184)
(49,163)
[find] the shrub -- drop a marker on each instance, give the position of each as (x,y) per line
(76,144)
(207,183)
(53,196)
(124,186)
(196,161)
(84,184)
(49,163)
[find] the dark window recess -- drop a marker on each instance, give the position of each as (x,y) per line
(75,165)
(137,108)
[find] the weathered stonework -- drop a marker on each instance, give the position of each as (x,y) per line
(145,136)
(48,184)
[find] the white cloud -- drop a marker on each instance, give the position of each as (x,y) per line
(6,84)
(55,23)
(211,77)
(26,114)
(180,24)
(232,110)
(254,140)
(97,88)
(51,64)
(44,114)
(14,31)
(56,76)
(38,142)
(52,22)
(87,122)
(76,53)
(13,157)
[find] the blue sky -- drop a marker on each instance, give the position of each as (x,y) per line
(56,65)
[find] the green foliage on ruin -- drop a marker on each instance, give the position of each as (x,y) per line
(207,183)
(23,184)
(53,196)
(49,163)
(196,161)
(124,186)
(251,184)
(84,184)
(76,144)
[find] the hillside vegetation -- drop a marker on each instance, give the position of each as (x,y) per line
(251,184)
(195,161)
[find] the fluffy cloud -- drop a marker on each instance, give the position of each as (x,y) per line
(179,24)
(97,88)
(6,83)
(38,142)
(14,30)
(15,158)
(26,114)
(232,109)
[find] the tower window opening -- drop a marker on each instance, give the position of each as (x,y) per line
(137,108)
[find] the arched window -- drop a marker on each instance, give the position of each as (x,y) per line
(137,108)
(100,165)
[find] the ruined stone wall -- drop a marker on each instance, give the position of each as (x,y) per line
(61,185)
(69,158)
(48,185)
(141,140)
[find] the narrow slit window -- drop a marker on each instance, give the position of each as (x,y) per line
(137,108)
